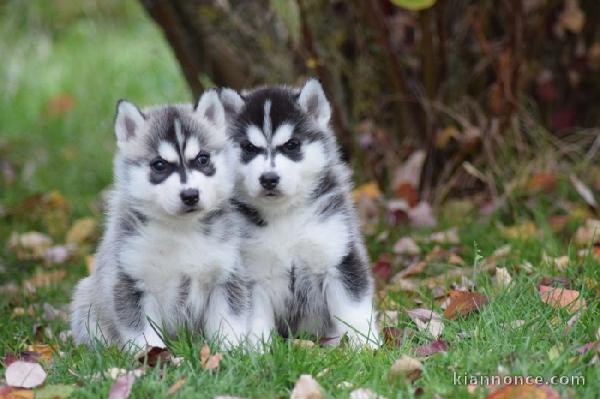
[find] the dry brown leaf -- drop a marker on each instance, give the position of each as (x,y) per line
(43,278)
(521,231)
(368,190)
(421,215)
(406,246)
(502,279)
(410,172)
(46,352)
(121,388)
(209,362)
(303,343)
(393,336)
(32,245)
(431,348)
(588,234)
(427,320)
(562,298)
(524,392)
(82,231)
(176,386)
(584,191)
(542,181)
(20,374)
(464,302)
(307,388)
(16,393)
(448,237)
(406,366)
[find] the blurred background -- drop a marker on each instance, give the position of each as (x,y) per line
(433,101)
(472,127)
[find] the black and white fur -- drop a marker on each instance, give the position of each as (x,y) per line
(303,249)
(170,255)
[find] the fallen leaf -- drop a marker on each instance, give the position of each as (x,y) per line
(365,393)
(45,352)
(521,231)
(306,388)
(562,298)
(464,302)
(32,245)
(584,191)
(43,279)
(560,263)
(82,231)
(153,355)
(431,348)
(588,234)
(368,190)
(12,393)
(303,343)
(448,237)
(587,347)
(421,215)
(209,362)
(427,320)
(407,192)
(542,181)
(409,173)
(524,392)
(413,268)
(121,388)
(58,254)
(393,336)
(176,386)
(55,391)
(406,366)
(22,374)
(555,281)
(572,17)
(406,246)
(382,268)
(502,279)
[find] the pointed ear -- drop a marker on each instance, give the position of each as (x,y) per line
(210,108)
(232,101)
(312,100)
(128,122)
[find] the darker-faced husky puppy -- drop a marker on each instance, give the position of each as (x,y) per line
(303,249)
(170,255)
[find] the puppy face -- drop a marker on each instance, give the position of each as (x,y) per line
(282,137)
(175,158)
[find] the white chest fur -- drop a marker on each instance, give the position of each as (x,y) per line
(301,239)
(161,258)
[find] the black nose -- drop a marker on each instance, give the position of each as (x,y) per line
(189,196)
(269,180)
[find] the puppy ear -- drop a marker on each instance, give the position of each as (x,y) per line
(211,109)
(129,122)
(232,101)
(312,100)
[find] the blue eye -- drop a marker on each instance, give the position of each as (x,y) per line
(203,159)
(159,165)
(291,145)
(248,146)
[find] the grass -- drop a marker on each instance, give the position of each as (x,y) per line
(95,56)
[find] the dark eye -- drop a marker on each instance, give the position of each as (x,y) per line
(159,165)
(291,145)
(203,159)
(248,146)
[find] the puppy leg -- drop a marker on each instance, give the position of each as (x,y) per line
(137,314)
(351,315)
(262,318)
(227,313)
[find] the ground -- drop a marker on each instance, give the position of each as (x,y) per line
(60,80)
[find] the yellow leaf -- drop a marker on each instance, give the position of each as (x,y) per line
(81,231)
(414,5)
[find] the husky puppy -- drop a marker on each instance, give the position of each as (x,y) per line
(170,255)
(303,249)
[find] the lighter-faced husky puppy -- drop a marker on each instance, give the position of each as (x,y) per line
(170,254)
(303,249)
